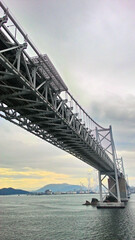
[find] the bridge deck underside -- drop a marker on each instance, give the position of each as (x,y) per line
(37,107)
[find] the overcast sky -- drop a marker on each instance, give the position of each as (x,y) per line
(92,45)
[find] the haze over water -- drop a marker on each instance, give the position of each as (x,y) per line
(63,217)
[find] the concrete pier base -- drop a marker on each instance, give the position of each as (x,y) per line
(124,199)
(111,205)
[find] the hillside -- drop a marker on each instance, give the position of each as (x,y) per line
(64,187)
(12,191)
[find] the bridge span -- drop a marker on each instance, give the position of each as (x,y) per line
(34,96)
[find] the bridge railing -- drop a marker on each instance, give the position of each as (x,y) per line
(81,114)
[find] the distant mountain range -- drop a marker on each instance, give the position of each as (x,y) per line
(12,191)
(64,187)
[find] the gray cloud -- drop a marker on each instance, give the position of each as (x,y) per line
(120,113)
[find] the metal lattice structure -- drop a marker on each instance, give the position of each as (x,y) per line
(34,96)
(105,138)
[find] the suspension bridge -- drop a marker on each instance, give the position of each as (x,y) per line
(35,97)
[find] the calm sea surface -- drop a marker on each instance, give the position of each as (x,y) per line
(63,217)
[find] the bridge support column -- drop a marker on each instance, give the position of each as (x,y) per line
(100,186)
(115,166)
(107,136)
(112,190)
(122,188)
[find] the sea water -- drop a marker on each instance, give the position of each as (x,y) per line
(63,217)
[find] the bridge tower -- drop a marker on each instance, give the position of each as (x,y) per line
(117,187)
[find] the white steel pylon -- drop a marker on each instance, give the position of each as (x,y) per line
(105,139)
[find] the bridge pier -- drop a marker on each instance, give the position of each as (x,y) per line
(116,182)
(100,186)
(112,189)
(122,188)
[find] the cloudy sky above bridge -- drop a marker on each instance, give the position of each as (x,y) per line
(92,45)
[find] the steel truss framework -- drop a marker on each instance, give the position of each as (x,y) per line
(31,97)
(105,135)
